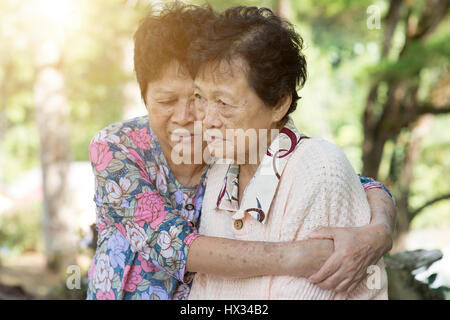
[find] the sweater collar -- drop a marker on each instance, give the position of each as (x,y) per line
(261,189)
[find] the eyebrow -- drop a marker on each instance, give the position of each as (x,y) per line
(219,92)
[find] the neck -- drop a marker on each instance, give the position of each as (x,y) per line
(187,175)
(247,171)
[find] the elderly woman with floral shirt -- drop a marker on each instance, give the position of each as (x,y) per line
(148,207)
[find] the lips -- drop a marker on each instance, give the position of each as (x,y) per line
(214,139)
(185,138)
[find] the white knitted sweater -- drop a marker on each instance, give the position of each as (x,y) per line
(318,187)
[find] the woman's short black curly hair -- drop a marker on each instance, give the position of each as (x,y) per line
(166,35)
(269,45)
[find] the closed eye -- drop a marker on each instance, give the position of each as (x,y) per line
(199,99)
(222,103)
(167,101)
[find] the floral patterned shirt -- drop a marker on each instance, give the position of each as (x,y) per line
(145,219)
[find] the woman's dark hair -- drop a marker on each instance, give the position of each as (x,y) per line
(165,36)
(269,45)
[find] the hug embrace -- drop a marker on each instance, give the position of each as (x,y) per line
(268,212)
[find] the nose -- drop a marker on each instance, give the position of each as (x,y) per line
(211,118)
(184,113)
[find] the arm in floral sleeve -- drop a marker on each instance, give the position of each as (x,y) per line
(370,183)
(128,201)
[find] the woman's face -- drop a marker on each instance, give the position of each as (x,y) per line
(225,100)
(170,108)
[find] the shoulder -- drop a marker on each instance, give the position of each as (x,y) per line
(120,142)
(112,133)
(319,150)
(321,159)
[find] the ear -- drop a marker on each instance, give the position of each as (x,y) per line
(282,107)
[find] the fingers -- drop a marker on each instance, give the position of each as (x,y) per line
(347,266)
(344,285)
(360,275)
(329,268)
(345,279)
(351,281)
(354,285)
(332,282)
(337,276)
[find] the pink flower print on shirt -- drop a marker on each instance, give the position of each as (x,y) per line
(190,238)
(121,229)
(150,208)
(133,279)
(146,265)
(101,226)
(140,138)
(126,271)
(136,158)
(100,155)
(100,295)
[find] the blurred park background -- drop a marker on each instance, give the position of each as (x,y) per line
(378,87)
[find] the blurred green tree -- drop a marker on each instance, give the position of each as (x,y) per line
(401,109)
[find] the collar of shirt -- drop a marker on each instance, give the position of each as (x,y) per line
(261,189)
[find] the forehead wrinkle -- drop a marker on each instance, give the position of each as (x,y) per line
(217,71)
(182,72)
(222,75)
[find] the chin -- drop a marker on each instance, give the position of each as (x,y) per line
(219,153)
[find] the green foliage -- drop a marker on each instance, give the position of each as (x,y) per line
(20,230)
(92,67)
(419,56)
(61,292)
(432,176)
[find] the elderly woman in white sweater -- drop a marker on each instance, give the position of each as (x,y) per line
(248,68)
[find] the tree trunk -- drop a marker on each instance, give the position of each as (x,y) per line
(283,8)
(52,112)
(412,153)
(383,121)
(401,108)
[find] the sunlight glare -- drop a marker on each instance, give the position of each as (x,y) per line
(57,13)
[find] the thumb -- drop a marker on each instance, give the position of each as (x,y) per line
(321,233)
